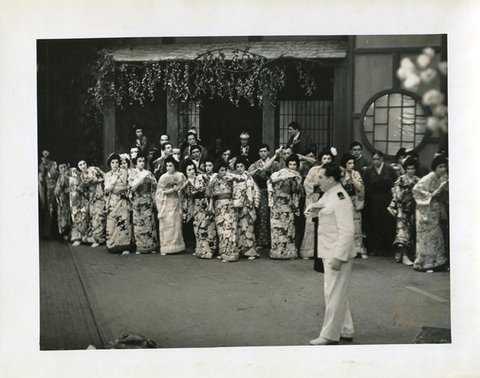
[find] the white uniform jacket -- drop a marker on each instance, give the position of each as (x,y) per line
(336,228)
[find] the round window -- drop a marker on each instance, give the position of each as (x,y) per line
(394,119)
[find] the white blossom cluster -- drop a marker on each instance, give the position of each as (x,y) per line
(418,74)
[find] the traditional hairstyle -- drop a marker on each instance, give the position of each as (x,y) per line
(294,125)
(209,159)
(292,157)
(401,152)
(113,156)
(440,159)
(171,159)
(345,159)
(185,164)
(333,170)
(220,164)
(241,160)
(409,162)
(139,155)
(326,151)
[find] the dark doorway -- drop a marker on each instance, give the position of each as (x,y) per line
(219,118)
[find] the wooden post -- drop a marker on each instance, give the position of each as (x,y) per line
(108,134)
(268,129)
(172,121)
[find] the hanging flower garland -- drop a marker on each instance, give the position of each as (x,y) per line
(236,76)
(417,76)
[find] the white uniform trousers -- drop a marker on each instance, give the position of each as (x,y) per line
(338,319)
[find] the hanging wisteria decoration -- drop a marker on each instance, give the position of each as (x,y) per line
(233,75)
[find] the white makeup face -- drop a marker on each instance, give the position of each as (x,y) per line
(441,170)
(222,171)
(190,171)
(209,167)
(240,167)
(350,164)
(114,164)
(141,163)
(82,165)
(326,159)
(124,164)
(170,167)
(410,171)
(292,165)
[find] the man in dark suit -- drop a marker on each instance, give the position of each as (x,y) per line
(361,163)
(245,149)
(300,142)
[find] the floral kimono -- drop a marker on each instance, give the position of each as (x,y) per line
(92,183)
(262,225)
(64,217)
(200,207)
(169,206)
(430,246)
(402,208)
(244,200)
(357,195)
(119,227)
(283,199)
(78,207)
(225,219)
(144,226)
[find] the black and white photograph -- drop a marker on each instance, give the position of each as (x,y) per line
(257,200)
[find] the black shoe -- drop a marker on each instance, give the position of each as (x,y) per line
(346,338)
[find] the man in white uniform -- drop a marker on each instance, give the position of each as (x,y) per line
(336,248)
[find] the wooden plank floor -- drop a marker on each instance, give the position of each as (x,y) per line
(66,320)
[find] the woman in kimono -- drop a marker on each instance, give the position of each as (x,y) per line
(245,197)
(78,208)
(431,196)
(284,189)
(64,216)
(142,185)
(92,184)
(402,208)
(353,184)
(220,189)
(313,194)
(198,207)
(119,228)
(168,198)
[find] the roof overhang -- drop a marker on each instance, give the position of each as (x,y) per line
(322,49)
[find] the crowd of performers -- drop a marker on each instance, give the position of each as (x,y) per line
(231,202)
